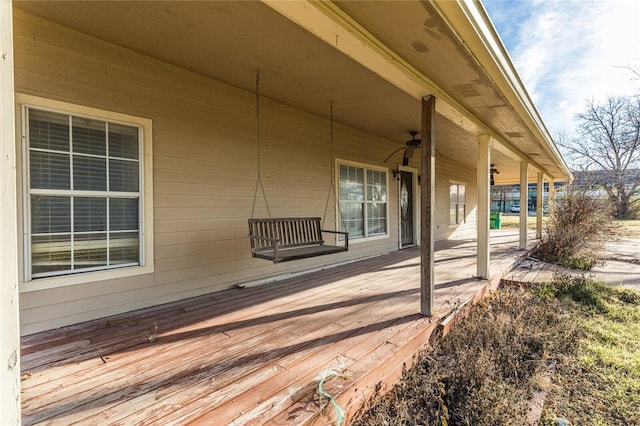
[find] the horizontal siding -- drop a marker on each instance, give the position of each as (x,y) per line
(205,168)
(449,171)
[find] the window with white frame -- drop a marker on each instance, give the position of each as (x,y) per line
(84,193)
(362,200)
(457,203)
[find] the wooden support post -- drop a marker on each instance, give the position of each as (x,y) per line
(552,194)
(427,204)
(539,200)
(483,178)
(9,324)
(524,203)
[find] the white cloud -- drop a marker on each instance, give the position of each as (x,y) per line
(568,51)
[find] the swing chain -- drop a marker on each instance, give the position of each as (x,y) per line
(259,183)
(332,187)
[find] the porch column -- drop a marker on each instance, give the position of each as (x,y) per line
(427,204)
(483,171)
(524,209)
(539,200)
(9,324)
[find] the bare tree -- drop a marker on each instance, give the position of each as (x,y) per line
(608,147)
(633,69)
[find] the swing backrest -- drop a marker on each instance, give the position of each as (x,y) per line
(290,232)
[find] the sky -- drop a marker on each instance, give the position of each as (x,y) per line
(568,52)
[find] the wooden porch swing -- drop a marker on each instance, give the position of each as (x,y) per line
(290,238)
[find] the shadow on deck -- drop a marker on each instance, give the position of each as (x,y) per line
(256,355)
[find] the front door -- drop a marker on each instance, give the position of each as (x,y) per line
(406,209)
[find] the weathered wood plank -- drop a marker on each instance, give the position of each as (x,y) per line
(120,326)
(300,374)
(240,308)
(286,352)
(253,356)
(88,383)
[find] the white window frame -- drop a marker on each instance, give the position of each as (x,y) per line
(28,283)
(365,167)
(464,219)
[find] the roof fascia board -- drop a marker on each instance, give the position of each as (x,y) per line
(482,37)
(328,22)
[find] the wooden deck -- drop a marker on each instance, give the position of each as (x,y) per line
(254,355)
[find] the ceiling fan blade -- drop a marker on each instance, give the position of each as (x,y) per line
(408,153)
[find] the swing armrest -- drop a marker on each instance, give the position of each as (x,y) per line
(274,241)
(346,236)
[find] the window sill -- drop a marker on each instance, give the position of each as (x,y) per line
(366,239)
(39,284)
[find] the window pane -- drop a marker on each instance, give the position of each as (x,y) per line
(376,218)
(453,193)
(89,173)
(69,155)
(48,130)
(123,176)
(461,213)
(123,141)
(376,185)
(452,214)
(351,183)
(50,214)
(344,173)
(123,214)
(50,253)
(89,214)
(89,136)
(124,248)
(89,250)
(462,197)
(49,171)
(352,219)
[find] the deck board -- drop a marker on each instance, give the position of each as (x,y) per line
(250,355)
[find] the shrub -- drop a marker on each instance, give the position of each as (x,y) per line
(577,230)
(581,289)
(484,371)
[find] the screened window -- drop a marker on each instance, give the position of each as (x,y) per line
(84,193)
(363,201)
(457,203)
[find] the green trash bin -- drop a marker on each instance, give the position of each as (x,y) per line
(495,220)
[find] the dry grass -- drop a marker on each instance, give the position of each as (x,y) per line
(485,371)
(629,228)
(600,383)
(512,221)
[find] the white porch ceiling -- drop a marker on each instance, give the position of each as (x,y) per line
(229,41)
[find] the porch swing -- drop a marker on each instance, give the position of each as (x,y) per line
(289,238)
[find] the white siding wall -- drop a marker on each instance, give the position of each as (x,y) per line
(448,171)
(204,152)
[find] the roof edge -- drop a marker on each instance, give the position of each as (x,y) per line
(480,33)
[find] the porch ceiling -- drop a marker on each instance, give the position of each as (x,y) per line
(228,41)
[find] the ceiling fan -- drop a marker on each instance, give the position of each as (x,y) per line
(409,148)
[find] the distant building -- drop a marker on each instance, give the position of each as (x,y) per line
(505,197)
(595,180)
